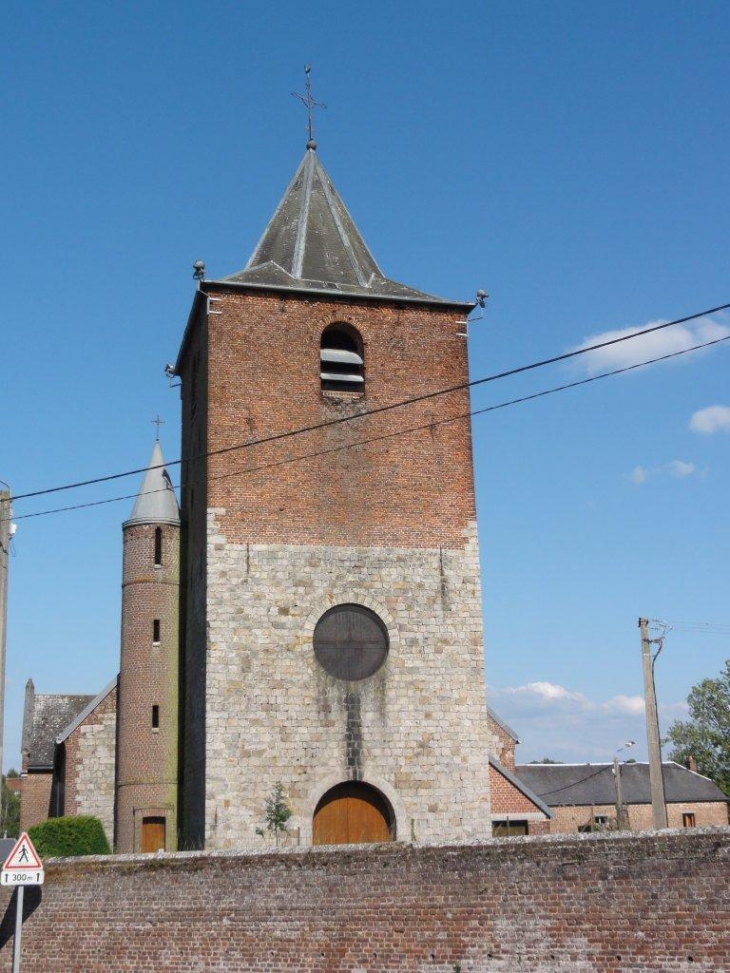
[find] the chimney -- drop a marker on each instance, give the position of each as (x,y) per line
(691,764)
(28,711)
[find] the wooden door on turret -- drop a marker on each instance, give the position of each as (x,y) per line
(153,834)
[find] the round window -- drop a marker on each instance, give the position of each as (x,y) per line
(350,642)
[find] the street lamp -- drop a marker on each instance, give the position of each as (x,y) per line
(621,817)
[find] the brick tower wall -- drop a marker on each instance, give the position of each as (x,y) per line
(387,524)
(147,756)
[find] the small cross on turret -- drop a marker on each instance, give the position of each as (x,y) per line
(157,422)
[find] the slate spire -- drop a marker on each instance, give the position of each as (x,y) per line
(156,502)
(312,243)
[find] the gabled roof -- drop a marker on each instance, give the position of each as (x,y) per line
(312,244)
(86,711)
(562,785)
(156,502)
(50,714)
(500,722)
(521,786)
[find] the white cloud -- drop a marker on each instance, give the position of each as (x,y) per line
(558,722)
(625,704)
(715,418)
(548,692)
(679,468)
(678,338)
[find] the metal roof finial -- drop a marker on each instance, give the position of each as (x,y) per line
(309,103)
(157,422)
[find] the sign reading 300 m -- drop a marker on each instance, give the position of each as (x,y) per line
(22,866)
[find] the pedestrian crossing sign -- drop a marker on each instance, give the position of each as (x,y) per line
(22,866)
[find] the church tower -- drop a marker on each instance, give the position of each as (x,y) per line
(147,746)
(331,608)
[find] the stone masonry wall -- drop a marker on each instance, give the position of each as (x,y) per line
(90,765)
(274,714)
(586,904)
(503,746)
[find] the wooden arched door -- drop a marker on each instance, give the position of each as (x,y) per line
(350,814)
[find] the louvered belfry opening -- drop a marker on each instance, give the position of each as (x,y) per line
(342,367)
(350,642)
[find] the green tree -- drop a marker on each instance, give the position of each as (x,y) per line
(10,821)
(706,734)
(278,813)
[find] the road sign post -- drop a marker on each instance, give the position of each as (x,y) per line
(22,867)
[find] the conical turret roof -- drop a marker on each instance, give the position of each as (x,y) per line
(156,502)
(312,243)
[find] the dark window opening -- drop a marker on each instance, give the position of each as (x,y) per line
(342,367)
(156,631)
(155,717)
(689,820)
(350,642)
(158,545)
(509,829)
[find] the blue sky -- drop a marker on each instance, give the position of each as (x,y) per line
(571,158)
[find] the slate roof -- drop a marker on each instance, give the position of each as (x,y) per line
(312,244)
(561,785)
(51,713)
(89,708)
(156,502)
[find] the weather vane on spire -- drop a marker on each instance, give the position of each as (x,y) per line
(309,103)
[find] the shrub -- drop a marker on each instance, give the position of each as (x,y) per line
(67,837)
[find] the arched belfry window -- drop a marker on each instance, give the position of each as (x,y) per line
(342,367)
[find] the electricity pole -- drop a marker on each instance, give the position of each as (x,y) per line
(622,818)
(5,535)
(656,774)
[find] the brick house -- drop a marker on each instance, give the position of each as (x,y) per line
(516,809)
(44,717)
(582,797)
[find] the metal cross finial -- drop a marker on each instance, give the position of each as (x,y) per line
(309,103)
(157,422)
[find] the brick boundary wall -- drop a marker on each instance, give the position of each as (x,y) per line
(589,903)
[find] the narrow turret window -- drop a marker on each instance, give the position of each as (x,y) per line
(342,366)
(156,631)
(158,545)
(155,717)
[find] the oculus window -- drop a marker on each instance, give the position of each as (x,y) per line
(350,642)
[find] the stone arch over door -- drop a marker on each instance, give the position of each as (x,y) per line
(350,813)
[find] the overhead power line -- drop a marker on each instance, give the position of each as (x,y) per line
(383,408)
(391,435)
